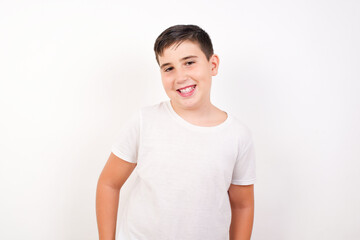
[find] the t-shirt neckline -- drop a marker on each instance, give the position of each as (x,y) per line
(187,124)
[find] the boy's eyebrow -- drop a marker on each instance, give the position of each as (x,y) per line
(184,58)
(191,56)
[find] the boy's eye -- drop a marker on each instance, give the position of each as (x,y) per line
(168,69)
(189,63)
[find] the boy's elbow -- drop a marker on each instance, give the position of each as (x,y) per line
(105,182)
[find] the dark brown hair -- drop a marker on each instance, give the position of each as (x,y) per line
(179,33)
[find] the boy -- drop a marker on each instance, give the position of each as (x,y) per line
(195,164)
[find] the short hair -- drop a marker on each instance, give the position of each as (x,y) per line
(179,33)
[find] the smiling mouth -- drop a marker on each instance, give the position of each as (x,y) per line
(187,89)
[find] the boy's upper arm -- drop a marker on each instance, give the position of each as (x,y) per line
(244,172)
(116,171)
(127,143)
(241,195)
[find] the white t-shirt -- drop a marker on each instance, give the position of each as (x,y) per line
(183,174)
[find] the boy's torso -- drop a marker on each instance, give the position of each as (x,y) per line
(183,174)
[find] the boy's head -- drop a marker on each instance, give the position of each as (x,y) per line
(179,33)
(187,65)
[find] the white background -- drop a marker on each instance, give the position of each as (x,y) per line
(72,72)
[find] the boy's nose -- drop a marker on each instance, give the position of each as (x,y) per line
(181,77)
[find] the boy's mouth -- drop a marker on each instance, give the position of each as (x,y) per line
(187,91)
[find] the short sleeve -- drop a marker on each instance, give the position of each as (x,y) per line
(244,170)
(127,143)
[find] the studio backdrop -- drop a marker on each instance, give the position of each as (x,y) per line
(72,73)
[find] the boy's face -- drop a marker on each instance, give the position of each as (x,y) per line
(185,66)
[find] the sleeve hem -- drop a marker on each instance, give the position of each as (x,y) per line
(244,182)
(122,156)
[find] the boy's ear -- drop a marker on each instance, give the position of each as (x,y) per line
(214,64)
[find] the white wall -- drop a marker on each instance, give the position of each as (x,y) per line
(71,72)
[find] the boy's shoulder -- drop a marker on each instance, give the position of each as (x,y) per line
(240,126)
(154,111)
(154,107)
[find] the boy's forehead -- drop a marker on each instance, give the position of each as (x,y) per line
(183,45)
(180,50)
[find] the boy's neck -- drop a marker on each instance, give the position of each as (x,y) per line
(206,114)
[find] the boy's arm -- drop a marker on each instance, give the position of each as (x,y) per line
(112,177)
(242,211)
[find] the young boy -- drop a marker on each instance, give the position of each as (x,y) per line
(195,164)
